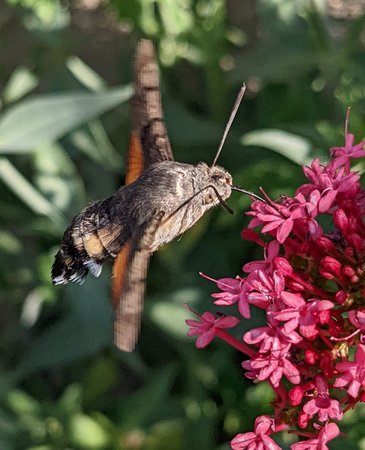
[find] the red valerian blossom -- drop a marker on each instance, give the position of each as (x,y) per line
(206,327)
(327,433)
(273,366)
(302,314)
(322,404)
(259,439)
(352,373)
(311,286)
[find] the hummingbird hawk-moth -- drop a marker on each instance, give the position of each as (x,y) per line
(160,201)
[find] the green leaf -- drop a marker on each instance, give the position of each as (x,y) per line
(46,118)
(102,375)
(83,331)
(176,17)
(21,82)
(9,243)
(87,433)
(293,147)
(57,178)
(71,399)
(170,314)
(94,143)
(22,403)
(140,408)
(27,193)
(166,435)
(85,74)
(44,17)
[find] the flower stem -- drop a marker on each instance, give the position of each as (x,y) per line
(222,334)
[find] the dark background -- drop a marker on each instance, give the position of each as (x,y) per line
(64,125)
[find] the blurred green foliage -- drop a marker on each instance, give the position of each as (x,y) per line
(65,74)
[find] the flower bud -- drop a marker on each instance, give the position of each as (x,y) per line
(283,265)
(348,271)
(325,244)
(326,275)
(341,297)
(296,396)
(303,420)
(341,220)
(355,241)
(294,286)
(331,265)
(310,356)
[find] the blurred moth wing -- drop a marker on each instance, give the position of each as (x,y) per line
(149,143)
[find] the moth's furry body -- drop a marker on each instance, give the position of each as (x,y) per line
(181,193)
(161,200)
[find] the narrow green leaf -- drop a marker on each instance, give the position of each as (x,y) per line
(293,147)
(22,403)
(57,178)
(109,157)
(95,144)
(9,243)
(21,82)
(45,119)
(27,193)
(85,74)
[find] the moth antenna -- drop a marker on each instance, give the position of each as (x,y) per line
(251,194)
(236,105)
(348,110)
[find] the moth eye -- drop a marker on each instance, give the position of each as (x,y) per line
(208,198)
(217,179)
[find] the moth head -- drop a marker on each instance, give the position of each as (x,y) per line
(218,183)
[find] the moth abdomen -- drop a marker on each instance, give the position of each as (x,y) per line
(90,239)
(68,265)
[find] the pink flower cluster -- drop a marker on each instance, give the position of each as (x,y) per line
(311,285)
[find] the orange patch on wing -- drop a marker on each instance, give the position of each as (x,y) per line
(135,166)
(119,273)
(135,163)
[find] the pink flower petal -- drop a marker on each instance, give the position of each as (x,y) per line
(284,230)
